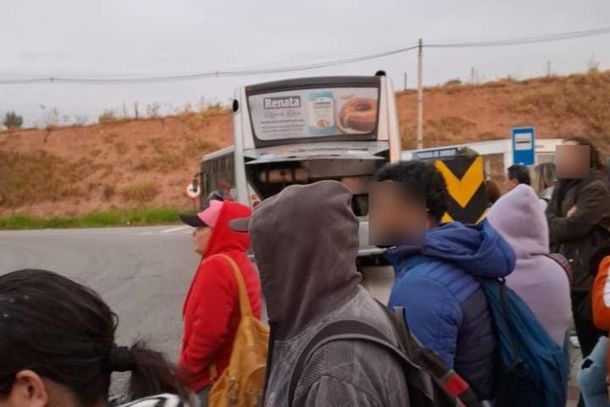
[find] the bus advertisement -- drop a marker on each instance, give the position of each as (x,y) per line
(305,130)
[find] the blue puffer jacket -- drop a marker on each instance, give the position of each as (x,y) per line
(445,306)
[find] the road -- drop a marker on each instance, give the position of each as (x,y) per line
(142,273)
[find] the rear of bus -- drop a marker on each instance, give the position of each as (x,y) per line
(306,130)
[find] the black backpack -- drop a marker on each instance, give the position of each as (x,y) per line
(430,383)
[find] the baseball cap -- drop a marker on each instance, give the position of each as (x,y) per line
(206,218)
(239,224)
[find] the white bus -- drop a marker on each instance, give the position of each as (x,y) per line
(305,130)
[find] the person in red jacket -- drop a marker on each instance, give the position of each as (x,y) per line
(211,308)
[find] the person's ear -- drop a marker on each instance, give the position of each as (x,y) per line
(28,390)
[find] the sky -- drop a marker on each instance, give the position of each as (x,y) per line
(126,38)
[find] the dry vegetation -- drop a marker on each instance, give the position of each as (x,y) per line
(126,163)
(556,106)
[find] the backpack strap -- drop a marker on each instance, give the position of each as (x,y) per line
(244,302)
(345,330)
(452,382)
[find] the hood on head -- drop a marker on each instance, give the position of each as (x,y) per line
(305,242)
(477,249)
(520,219)
(223,238)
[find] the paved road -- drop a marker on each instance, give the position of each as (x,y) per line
(143,273)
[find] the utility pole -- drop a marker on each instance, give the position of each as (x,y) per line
(420,96)
(472,76)
(548,68)
(405,81)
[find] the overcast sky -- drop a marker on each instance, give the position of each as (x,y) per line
(121,38)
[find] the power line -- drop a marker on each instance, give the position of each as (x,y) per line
(205,75)
(305,67)
(523,40)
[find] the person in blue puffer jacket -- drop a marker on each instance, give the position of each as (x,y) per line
(437,266)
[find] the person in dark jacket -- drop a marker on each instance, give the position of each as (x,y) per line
(305,242)
(579,222)
(437,272)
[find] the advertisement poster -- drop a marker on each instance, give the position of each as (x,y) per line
(309,113)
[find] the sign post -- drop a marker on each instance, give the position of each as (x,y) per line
(524,145)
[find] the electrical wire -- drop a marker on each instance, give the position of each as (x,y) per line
(305,67)
(523,40)
(205,75)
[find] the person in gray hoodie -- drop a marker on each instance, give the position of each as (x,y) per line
(305,242)
(538,279)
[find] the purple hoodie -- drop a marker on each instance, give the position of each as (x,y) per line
(538,280)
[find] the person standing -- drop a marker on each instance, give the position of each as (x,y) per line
(594,369)
(437,267)
(58,347)
(305,241)
(538,279)
(516,175)
(544,182)
(211,308)
(579,221)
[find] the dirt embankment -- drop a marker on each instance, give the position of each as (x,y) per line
(147,163)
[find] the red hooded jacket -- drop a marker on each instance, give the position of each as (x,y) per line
(211,308)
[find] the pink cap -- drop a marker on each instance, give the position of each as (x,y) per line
(209,215)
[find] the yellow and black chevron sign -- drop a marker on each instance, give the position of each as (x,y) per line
(465,181)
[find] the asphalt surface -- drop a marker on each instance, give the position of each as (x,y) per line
(142,273)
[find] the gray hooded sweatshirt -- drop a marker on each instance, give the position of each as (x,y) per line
(305,241)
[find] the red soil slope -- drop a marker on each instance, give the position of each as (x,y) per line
(131,163)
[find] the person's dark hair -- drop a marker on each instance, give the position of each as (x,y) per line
(65,332)
(595,158)
(492,192)
(419,178)
(520,173)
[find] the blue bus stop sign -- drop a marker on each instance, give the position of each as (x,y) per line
(524,145)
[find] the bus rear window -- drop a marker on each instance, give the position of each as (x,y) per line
(305,114)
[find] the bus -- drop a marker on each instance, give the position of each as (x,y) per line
(300,131)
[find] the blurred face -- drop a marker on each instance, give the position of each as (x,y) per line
(201,238)
(394,217)
(572,160)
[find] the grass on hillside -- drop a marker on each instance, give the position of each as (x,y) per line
(128,217)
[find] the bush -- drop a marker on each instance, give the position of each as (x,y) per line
(107,117)
(141,192)
(12,120)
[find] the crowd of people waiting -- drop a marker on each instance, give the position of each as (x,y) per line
(550,244)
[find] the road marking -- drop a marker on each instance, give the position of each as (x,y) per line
(177,229)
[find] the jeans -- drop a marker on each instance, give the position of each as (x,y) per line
(592,376)
(202,396)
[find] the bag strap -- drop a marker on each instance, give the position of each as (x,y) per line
(563,262)
(452,382)
(244,302)
(345,330)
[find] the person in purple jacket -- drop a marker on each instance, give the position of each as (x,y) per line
(538,279)
(437,267)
